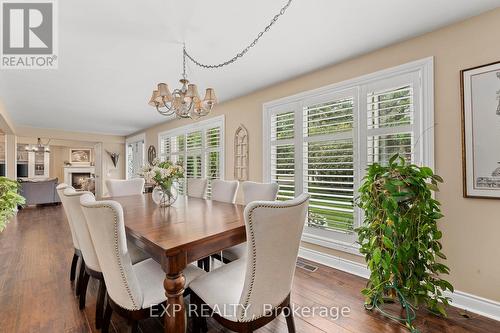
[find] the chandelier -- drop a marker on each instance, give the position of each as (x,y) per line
(39,147)
(185,102)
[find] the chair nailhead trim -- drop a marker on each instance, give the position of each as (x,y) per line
(254,256)
(117,255)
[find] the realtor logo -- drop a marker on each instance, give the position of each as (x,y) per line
(28,35)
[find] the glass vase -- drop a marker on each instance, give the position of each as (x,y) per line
(164,197)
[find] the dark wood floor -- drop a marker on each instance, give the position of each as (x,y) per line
(37,296)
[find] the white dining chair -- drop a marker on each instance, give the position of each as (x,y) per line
(253,291)
(77,253)
(224,190)
(197,187)
(90,262)
(132,289)
(252,191)
(122,187)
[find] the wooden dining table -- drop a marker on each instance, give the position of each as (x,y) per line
(175,236)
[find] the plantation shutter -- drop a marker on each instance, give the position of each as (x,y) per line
(213,158)
(328,156)
(391,124)
(283,154)
(193,155)
(130,161)
(135,158)
(320,142)
(198,148)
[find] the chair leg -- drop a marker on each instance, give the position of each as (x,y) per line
(290,323)
(206,264)
(199,321)
(107,318)
(72,273)
(80,277)
(134,326)
(203,322)
(83,290)
(99,308)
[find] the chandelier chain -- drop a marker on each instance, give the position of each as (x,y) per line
(246,49)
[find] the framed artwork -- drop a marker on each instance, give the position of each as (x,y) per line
(80,156)
(480,88)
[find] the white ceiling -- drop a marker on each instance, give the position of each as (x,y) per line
(112,53)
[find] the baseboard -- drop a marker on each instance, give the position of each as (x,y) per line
(479,305)
(329,260)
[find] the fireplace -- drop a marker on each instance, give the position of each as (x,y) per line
(77,175)
(78,179)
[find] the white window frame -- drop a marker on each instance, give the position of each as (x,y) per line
(422,70)
(131,140)
(199,126)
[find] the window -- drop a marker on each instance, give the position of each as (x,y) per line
(135,155)
(320,143)
(198,148)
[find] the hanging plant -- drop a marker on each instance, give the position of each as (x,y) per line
(400,238)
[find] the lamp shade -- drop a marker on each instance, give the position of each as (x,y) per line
(152,101)
(192,92)
(164,91)
(210,95)
(158,99)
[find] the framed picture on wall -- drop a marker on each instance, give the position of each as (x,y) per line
(80,156)
(480,88)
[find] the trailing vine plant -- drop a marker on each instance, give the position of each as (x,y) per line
(400,238)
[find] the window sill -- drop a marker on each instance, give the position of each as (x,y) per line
(351,248)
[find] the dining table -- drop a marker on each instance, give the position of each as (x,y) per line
(189,230)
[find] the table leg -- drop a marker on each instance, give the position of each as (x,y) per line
(174,284)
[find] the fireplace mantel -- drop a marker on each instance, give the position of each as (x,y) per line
(76,169)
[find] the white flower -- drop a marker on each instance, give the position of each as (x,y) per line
(148,176)
(165,173)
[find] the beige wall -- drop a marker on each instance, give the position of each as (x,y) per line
(472,226)
(60,154)
(62,141)
(109,171)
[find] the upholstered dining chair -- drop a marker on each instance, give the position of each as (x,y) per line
(122,187)
(224,190)
(132,289)
(252,191)
(77,253)
(256,289)
(196,187)
(90,262)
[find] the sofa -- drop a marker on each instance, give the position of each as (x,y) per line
(37,192)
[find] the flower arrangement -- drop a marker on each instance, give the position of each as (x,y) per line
(163,175)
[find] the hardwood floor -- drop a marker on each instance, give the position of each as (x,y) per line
(37,296)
